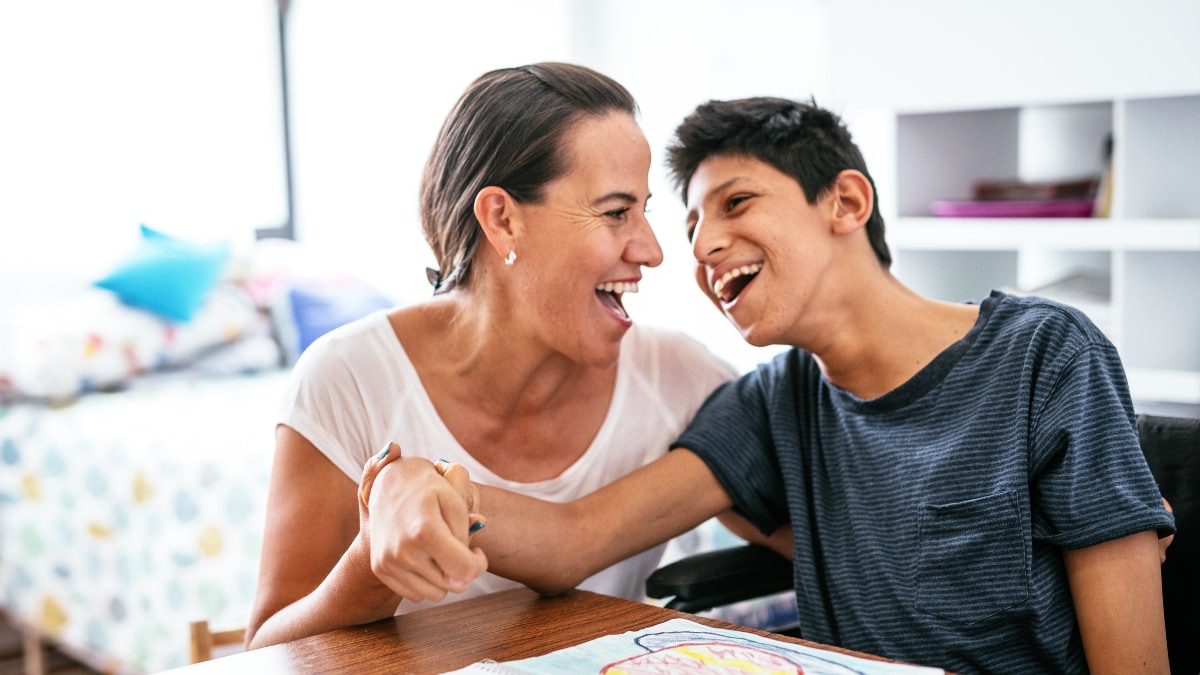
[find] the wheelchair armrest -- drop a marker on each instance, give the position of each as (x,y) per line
(721,577)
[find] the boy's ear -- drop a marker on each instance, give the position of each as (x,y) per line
(853,200)
(495,210)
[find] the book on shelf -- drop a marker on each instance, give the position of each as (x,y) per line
(1071,198)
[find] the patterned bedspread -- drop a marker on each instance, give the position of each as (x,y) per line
(124,516)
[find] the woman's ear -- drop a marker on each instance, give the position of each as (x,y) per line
(495,210)
(853,200)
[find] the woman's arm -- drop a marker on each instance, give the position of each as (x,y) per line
(1117,590)
(315,572)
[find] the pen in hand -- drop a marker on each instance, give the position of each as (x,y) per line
(443,466)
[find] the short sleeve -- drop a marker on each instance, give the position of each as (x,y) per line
(325,404)
(731,433)
(1090,480)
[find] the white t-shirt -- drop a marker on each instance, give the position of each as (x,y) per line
(355,389)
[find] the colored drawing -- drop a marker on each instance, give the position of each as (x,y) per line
(697,652)
(679,646)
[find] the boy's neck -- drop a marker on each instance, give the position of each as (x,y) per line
(889,337)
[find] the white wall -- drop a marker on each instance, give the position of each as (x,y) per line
(372,81)
(673,55)
(928,54)
(117,113)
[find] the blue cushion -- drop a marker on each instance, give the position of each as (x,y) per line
(168,276)
(310,309)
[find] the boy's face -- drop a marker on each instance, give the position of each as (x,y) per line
(761,249)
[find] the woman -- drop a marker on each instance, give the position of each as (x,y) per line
(533,201)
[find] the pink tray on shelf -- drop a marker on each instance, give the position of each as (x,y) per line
(1047,208)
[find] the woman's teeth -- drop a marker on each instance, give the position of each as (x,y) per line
(618,287)
(732,274)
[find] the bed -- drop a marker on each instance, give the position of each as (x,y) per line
(135,451)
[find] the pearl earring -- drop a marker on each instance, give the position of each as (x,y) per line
(512,256)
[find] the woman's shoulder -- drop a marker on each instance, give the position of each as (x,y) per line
(344,347)
(673,354)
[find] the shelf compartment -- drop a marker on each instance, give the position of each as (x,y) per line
(1160,158)
(940,156)
(1098,234)
(967,275)
(1160,327)
(1164,386)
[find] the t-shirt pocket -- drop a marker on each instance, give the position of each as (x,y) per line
(971,563)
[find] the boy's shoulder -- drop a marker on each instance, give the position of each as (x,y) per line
(1038,318)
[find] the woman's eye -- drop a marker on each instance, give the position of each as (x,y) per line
(617,213)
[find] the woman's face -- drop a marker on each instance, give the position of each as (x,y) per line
(585,244)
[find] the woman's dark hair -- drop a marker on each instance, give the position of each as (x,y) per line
(506,130)
(802,140)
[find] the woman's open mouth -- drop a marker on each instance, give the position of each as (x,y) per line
(733,282)
(610,294)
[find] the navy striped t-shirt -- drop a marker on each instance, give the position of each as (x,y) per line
(928,522)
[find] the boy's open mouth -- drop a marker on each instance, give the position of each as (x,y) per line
(610,296)
(732,282)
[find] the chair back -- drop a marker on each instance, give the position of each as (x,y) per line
(1172,448)
(204,640)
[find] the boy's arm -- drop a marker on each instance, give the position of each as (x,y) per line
(779,541)
(547,546)
(1117,590)
(554,547)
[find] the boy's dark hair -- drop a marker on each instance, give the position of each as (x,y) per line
(804,141)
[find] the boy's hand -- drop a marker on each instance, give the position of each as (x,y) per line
(417,524)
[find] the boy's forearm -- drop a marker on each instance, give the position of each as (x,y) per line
(528,540)
(554,547)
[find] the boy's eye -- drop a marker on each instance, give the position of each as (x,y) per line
(735,201)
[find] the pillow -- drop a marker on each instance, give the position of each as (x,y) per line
(89,340)
(167,276)
(308,309)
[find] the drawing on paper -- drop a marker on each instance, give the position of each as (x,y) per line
(675,652)
(682,646)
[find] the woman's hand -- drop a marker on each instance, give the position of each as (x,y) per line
(416,518)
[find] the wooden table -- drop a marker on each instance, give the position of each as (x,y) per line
(504,626)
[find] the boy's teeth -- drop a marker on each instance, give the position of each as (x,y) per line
(733,274)
(618,287)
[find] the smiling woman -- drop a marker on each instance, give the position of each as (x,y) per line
(523,365)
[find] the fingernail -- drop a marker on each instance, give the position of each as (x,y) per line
(477,526)
(384,453)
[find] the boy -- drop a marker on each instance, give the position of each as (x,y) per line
(963,482)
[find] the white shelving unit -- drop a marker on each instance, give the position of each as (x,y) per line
(1141,264)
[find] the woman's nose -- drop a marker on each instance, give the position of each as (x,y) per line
(643,249)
